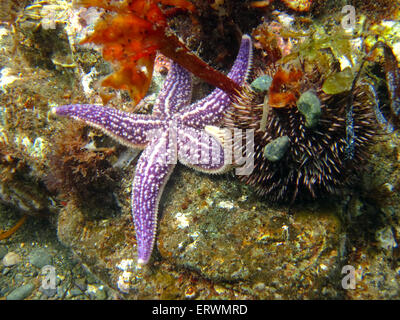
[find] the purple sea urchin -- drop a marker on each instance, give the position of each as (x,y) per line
(315,161)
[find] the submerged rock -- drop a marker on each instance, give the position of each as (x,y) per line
(373,232)
(276,149)
(21,292)
(40,258)
(11,259)
(252,242)
(244,244)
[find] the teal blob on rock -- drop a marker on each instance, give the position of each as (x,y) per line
(310,107)
(261,84)
(276,149)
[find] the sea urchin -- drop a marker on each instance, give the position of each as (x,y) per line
(313,160)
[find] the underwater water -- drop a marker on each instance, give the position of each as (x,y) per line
(126,174)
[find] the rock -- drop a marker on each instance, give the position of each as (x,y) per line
(48,292)
(97,292)
(81,284)
(18,278)
(386,238)
(40,257)
(101,294)
(21,292)
(3,290)
(276,149)
(375,279)
(244,244)
(376,269)
(75,292)
(61,292)
(6,270)
(251,242)
(310,107)
(11,259)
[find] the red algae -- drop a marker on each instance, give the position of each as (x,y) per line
(284,88)
(130,40)
(132,32)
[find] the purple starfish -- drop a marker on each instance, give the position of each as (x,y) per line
(174,131)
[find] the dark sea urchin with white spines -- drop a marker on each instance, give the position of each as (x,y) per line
(314,162)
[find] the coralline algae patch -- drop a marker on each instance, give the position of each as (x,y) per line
(6,77)
(38,148)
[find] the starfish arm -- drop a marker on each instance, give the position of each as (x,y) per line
(201,151)
(132,130)
(152,173)
(241,67)
(210,110)
(176,91)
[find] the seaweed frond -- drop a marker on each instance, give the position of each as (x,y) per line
(131,33)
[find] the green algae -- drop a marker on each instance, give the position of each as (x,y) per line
(261,84)
(339,82)
(310,106)
(276,149)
